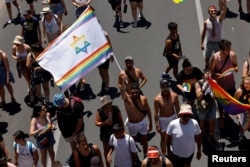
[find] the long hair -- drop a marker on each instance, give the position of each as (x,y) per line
(36,110)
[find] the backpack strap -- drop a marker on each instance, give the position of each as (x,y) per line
(74,99)
(163,161)
(92,149)
(30,147)
(148,163)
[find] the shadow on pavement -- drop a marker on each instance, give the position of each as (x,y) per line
(245,16)
(3,127)
(12,108)
(86,92)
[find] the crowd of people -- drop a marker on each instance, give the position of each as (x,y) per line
(193,121)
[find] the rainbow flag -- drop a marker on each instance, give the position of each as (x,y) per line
(77,51)
(229,104)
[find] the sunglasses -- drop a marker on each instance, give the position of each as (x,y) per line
(213,11)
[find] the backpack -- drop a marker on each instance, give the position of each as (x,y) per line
(163,162)
(29,146)
(74,99)
(56,18)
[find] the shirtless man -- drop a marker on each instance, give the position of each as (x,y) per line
(166,104)
(131,75)
(137,108)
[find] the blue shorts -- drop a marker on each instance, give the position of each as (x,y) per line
(50,140)
(210,48)
(210,114)
(57,9)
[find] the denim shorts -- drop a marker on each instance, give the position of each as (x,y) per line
(57,9)
(210,114)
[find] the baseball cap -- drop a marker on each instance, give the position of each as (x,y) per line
(164,82)
(128,58)
(118,127)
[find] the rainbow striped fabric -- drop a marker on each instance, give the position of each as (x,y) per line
(77,51)
(229,104)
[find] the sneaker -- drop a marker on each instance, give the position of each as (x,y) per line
(19,9)
(9,21)
(140,15)
(121,24)
(166,76)
(134,24)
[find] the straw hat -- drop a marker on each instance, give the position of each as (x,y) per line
(185,109)
(18,40)
(46,10)
(105,100)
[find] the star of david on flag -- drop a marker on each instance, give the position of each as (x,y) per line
(77,51)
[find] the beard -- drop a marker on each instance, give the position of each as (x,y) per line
(129,67)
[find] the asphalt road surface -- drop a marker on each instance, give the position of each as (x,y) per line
(144,43)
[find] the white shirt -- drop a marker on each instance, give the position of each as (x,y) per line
(25,158)
(52,26)
(183,137)
(123,148)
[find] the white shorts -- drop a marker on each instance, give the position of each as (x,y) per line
(141,127)
(164,122)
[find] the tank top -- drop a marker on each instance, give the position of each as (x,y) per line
(245,97)
(175,48)
(38,125)
(218,27)
(23,54)
(227,82)
(52,26)
(85,160)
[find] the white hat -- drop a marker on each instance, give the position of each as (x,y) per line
(128,58)
(105,100)
(185,109)
(18,40)
(46,10)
